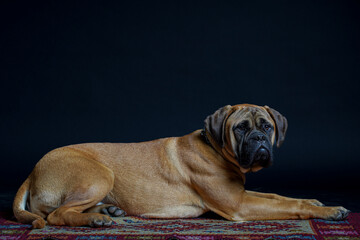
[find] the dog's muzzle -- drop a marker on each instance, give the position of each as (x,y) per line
(256,151)
(262,157)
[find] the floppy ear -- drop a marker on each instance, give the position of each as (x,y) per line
(215,124)
(281,125)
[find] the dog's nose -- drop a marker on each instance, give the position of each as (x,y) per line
(259,137)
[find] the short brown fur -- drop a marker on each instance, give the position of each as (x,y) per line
(177,177)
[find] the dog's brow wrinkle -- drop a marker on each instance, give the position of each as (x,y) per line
(253,111)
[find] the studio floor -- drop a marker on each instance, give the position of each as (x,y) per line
(208,226)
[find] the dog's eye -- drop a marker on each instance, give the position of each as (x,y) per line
(242,127)
(267,127)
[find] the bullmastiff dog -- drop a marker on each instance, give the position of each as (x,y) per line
(176,177)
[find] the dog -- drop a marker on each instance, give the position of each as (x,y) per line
(176,177)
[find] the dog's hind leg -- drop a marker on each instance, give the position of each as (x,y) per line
(73,216)
(71,212)
(82,190)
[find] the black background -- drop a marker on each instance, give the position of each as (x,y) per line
(122,72)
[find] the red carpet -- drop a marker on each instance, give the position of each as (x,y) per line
(199,228)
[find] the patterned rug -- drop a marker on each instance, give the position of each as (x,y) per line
(194,229)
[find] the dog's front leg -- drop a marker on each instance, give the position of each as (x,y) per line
(252,207)
(226,196)
(279,197)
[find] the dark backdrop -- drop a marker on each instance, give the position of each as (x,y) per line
(122,72)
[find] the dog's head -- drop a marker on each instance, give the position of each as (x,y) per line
(245,134)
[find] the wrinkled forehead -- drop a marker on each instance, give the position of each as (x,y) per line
(255,114)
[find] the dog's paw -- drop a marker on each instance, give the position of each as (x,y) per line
(113,211)
(100,221)
(338,213)
(314,202)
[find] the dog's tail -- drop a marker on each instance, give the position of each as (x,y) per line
(19,204)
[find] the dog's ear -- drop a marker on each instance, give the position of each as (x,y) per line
(281,125)
(215,124)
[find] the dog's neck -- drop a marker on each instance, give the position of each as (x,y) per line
(223,151)
(205,137)
(219,149)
